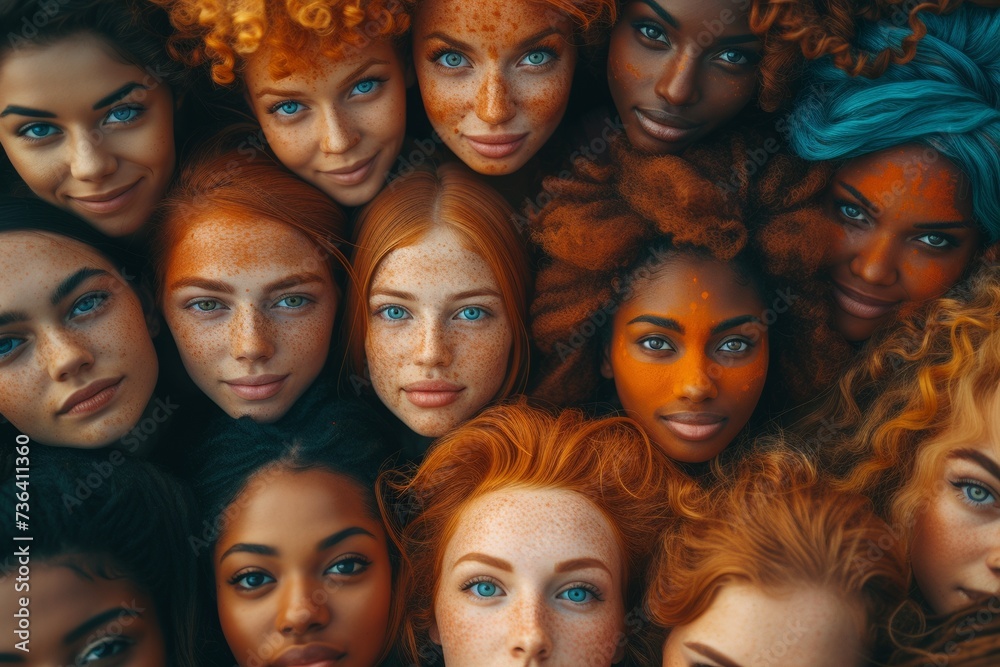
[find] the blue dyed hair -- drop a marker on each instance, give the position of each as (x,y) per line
(947,97)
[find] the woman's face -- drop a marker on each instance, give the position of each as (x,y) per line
(745,625)
(688,355)
(251,304)
(906,235)
(80,619)
(77,365)
(495,77)
(305,586)
(679,70)
(439,337)
(95,137)
(338,126)
(956,536)
(530,576)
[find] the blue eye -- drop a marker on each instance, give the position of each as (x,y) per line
(651,31)
(286,108)
(538,57)
(352,565)
(365,87)
(252,580)
(394,313)
(852,212)
(975,494)
(38,131)
(452,59)
(486,589)
(107,647)
(471,313)
(577,594)
(293,301)
(88,303)
(734,57)
(123,114)
(938,240)
(8,345)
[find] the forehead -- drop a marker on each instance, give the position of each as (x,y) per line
(324,71)
(46,257)
(705,16)
(498,23)
(228,245)
(438,260)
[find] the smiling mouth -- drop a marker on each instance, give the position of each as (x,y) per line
(108,202)
(353,174)
(695,426)
(496,146)
(665,127)
(860,305)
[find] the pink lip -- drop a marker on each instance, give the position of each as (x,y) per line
(313,655)
(860,305)
(257,387)
(432,393)
(664,126)
(352,175)
(695,426)
(91,398)
(108,202)
(496,146)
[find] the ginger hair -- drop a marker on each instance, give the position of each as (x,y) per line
(295,33)
(772,521)
(609,461)
(797,30)
(920,390)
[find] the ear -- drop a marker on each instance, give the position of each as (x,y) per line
(606,370)
(620,651)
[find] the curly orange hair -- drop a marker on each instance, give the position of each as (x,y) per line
(610,462)
(920,388)
(794,30)
(294,32)
(772,521)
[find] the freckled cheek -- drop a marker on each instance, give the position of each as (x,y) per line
(544,103)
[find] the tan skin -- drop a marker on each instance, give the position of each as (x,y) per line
(302,572)
(689,355)
(906,235)
(680,70)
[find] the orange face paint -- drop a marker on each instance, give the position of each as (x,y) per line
(689,355)
(908,235)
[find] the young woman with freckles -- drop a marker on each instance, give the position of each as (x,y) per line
(526,537)
(300,569)
(770,565)
(77,362)
(910,207)
(325,80)
(915,424)
(680,70)
(248,284)
(87,108)
(111,581)
(658,298)
(437,306)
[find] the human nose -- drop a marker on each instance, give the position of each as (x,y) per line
(303,608)
(530,638)
(66,355)
(90,159)
(339,134)
(434,348)
(695,381)
(875,262)
(493,99)
(252,335)
(678,84)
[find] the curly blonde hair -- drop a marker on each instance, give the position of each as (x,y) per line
(225,33)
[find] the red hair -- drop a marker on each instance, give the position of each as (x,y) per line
(227,32)
(610,462)
(404,212)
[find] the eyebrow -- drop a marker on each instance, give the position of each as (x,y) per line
(324,544)
(72,282)
(97,621)
(854,191)
(371,62)
(986,462)
(204,283)
(245,548)
(733,322)
(711,654)
(662,322)
(25,111)
(280,93)
(661,12)
(292,281)
(943,225)
(13,318)
(338,537)
(122,92)
(409,296)
(498,563)
(581,564)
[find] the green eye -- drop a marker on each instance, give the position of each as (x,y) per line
(294,301)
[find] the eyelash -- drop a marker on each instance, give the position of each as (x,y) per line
(963,484)
(436,54)
(22,132)
(117,643)
(590,588)
(950,241)
(362,561)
